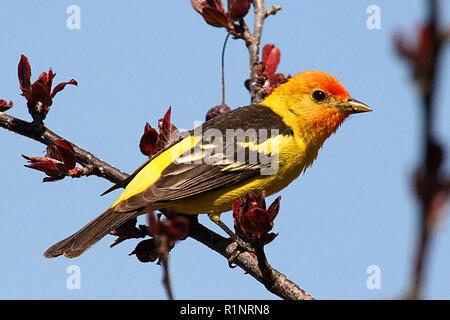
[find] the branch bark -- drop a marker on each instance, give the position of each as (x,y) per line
(253,42)
(282,286)
(48,137)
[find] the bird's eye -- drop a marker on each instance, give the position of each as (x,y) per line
(319,96)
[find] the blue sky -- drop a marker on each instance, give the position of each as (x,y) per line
(133,59)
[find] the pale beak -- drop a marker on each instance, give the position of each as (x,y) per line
(353,106)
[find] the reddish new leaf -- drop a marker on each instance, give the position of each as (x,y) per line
(261,200)
(40,93)
(24,72)
(51,167)
(46,79)
(256,222)
(251,218)
(239,9)
(61,86)
(149,140)
(4,105)
(212,11)
(214,17)
(50,77)
(59,161)
(274,208)
(165,128)
(66,153)
(43,79)
(199,5)
(254,201)
(152,141)
(271,58)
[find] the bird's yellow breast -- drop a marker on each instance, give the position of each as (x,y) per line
(291,162)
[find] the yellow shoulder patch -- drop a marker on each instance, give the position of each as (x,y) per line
(152,171)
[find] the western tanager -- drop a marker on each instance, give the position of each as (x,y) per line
(223,159)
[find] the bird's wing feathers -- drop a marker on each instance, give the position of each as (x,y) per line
(211,165)
(126,181)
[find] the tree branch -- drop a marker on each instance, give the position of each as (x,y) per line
(253,42)
(48,137)
(272,10)
(282,286)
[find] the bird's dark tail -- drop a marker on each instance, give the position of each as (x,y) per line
(90,234)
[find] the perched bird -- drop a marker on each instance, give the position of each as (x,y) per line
(224,159)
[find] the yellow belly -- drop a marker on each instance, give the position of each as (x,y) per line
(218,201)
(292,161)
(291,164)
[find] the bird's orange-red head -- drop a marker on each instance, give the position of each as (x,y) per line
(314,103)
(308,81)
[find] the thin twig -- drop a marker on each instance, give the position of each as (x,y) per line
(263,264)
(253,42)
(164,258)
(272,10)
(427,85)
(223,67)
